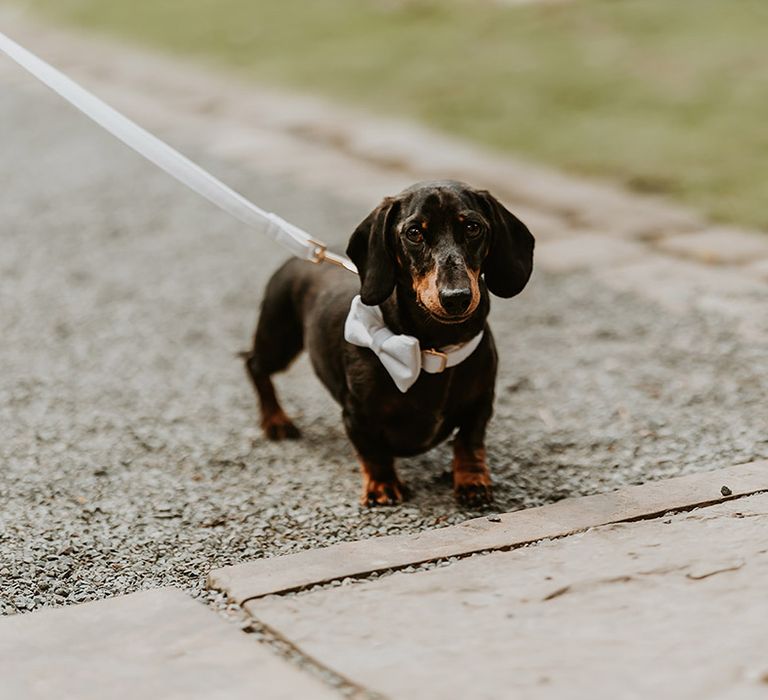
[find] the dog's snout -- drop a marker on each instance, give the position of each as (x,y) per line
(456,301)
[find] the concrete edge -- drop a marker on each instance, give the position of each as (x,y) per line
(293,572)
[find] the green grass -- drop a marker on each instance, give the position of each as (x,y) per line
(666,96)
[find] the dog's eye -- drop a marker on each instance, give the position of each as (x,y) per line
(414,234)
(473,228)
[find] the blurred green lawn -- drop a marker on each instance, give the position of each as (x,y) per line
(666,96)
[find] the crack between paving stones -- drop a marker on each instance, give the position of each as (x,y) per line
(294,655)
(426,564)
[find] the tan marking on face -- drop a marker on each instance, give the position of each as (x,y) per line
(469,466)
(427,292)
(474,285)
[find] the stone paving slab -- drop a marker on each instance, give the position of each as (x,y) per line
(548,226)
(759,269)
(729,246)
(586,251)
(159,645)
(295,571)
(674,607)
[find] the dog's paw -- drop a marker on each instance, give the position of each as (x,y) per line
(474,493)
(279,427)
(382,493)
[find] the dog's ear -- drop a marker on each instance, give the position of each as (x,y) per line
(370,248)
(509,262)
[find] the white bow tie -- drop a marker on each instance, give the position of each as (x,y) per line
(401,355)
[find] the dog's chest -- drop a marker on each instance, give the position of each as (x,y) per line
(414,422)
(418,428)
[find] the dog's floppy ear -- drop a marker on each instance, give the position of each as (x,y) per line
(509,263)
(370,248)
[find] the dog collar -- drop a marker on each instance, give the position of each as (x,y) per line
(401,355)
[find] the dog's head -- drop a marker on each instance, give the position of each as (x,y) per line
(445,240)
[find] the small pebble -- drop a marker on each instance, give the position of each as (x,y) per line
(726,491)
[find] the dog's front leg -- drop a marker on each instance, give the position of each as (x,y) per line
(471,478)
(381,485)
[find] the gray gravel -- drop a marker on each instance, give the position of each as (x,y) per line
(129,450)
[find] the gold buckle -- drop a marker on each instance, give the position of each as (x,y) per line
(319,253)
(443,357)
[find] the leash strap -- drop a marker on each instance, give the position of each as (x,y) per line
(297,241)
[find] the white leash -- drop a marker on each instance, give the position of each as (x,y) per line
(297,241)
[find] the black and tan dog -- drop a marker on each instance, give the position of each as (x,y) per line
(428,258)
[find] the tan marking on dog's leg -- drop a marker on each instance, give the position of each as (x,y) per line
(429,295)
(381,485)
(474,285)
(471,478)
(274,422)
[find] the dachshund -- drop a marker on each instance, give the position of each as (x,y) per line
(428,259)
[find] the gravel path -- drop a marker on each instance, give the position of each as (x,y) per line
(129,451)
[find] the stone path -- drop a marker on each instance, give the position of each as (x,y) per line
(262,577)
(157,644)
(603,596)
(673,607)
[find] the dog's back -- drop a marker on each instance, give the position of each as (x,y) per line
(304,305)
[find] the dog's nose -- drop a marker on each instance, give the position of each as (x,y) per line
(455,301)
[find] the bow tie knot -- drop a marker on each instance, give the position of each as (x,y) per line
(400,354)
